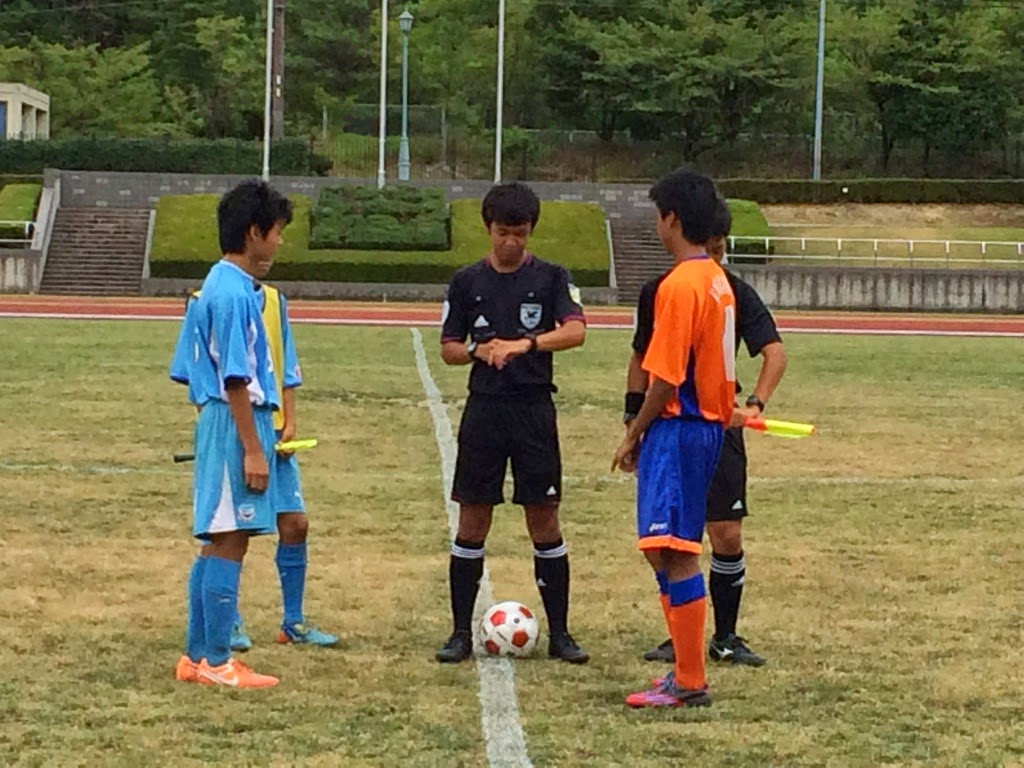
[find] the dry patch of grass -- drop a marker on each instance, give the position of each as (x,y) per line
(885,567)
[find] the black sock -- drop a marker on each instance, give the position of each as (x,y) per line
(727,576)
(464,572)
(551,569)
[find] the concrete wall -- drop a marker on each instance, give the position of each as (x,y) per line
(143,190)
(163,286)
(20,270)
(918,290)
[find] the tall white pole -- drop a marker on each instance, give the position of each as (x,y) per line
(819,92)
(501,92)
(269,85)
(383,92)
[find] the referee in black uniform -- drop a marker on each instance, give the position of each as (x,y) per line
(516,310)
(727,498)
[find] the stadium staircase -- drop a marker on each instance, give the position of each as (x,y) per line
(639,256)
(96,252)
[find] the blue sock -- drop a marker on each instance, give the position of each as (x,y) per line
(687,590)
(662,580)
(220,607)
(195,631)
(291,567)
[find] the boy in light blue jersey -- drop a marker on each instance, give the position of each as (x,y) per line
(231,380)
(286,486)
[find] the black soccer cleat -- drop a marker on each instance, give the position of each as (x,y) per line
(458,648)
(563,647)
(733,650)
(664,652)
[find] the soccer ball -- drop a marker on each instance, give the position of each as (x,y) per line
(509,629)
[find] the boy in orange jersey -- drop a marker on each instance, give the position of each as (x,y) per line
(691,365)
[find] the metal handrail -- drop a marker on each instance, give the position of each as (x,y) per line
(882,250)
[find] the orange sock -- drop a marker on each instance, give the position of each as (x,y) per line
(665,607)
(686,623)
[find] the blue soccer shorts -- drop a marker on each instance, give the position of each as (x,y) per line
(287,486)
(674,472)
(222,502)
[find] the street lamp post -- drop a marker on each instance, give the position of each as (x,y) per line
(405,23)
(382,141)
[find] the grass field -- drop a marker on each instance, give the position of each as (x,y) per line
(885,556)
(17,204)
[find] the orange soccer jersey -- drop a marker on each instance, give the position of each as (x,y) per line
(694,341)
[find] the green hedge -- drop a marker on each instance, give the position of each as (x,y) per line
(289,157)
(17,203)
(392,219)
(767,191)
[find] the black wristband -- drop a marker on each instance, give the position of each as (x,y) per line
(755,400)
(533,341)
(634,402)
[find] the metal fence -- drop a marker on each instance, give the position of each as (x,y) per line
(864,251)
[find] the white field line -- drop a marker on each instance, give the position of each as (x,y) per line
(499,708)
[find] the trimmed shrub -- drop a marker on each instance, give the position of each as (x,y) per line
(767,191)
(392,219)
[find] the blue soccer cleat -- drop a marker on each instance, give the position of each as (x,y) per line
(302,634)
(239,639)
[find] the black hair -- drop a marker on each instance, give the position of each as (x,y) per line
(511,204)
(722,224)
(691,196)
(251,203)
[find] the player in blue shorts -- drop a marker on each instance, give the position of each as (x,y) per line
(292,523)
(231,381)
(691,366)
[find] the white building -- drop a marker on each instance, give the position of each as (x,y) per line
(24,112)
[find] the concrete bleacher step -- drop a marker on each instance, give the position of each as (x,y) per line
(96,252)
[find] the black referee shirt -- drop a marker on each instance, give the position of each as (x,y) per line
(485,304)
(755,325)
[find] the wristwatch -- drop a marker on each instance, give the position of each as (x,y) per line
(533,341)
(755,400)
(471,350)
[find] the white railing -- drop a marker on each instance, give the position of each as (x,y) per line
(18,242)
(880,251)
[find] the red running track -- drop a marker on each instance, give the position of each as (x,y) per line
(381,314)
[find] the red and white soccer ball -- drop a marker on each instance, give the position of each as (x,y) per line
(509,629)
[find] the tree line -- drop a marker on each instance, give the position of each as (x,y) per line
(936,77)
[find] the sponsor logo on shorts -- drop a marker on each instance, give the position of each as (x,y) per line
(657,527)
(246,513)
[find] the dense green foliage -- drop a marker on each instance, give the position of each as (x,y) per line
(392,219)
(933,87)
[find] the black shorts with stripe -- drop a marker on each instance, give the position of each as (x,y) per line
(727,498)
(496,429)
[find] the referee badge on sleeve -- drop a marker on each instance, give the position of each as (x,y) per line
(530,315)
(574,294)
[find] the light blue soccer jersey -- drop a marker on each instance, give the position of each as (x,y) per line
(223,338)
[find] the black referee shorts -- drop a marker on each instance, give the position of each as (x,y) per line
(497,428)
(727,498)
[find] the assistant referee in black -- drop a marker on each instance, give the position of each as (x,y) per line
(506,315)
